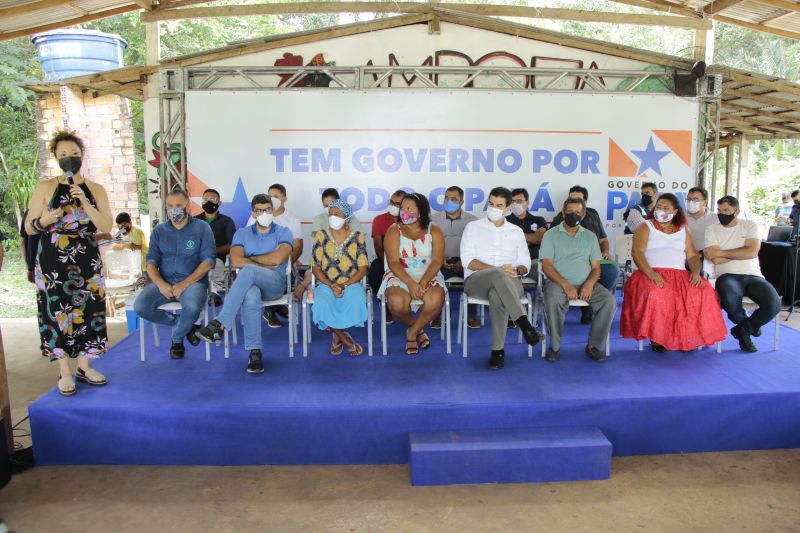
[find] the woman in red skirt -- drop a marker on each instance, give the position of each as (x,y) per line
(675,309)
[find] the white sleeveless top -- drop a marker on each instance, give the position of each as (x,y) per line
(666,251)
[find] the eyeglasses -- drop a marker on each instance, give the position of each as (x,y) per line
(266,211)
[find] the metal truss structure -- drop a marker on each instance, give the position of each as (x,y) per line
(175,83)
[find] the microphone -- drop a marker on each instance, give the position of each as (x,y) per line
(69,175)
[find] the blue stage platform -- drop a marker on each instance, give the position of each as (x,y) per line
(327,410)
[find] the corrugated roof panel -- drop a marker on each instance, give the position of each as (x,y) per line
(751,11)
(789,23)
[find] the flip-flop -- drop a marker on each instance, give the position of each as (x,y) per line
(357,349)
(336,349)
(66,392)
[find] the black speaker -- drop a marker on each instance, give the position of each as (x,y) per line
(5,460)
(685,84)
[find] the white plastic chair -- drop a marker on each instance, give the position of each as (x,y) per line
(415,305)
(623,252)
(308,300)
(572,303)
(287,300)
(747,303)
(170,307)
(463,330)
(123,270)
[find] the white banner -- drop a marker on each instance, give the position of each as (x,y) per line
(369,143)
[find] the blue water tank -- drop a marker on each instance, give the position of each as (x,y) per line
(68,53)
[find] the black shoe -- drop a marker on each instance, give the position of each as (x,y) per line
(282,311)
(532,336)
(212,332)
(192,337)
(436,323)
(745,342)
(177,351)
(254,364)
(586,315)
(215,299)
(552,355)
(594,354)
(657,347)
(271,319)
(511,324)
(497,360)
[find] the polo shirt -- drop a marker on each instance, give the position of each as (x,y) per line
(223,227)
(529,224)
(320,223)
(591,221)
(178,252)
(256,243)
(697,228)
(572,255)
(453,229)
(381,224)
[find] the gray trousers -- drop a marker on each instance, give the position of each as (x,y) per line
(556,304)
(504,294)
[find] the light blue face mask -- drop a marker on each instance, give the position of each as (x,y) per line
(450,206)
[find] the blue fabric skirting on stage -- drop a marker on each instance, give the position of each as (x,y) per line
(339,313)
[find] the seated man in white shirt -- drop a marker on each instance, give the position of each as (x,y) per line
(495,255)
(733,245)
(699,216)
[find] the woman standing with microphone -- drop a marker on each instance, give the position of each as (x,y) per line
(66,212)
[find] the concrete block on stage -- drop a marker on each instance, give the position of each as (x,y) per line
(521,455)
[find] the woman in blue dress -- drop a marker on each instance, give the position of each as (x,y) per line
(339,262)
(414,250)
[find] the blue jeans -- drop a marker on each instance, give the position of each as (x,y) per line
(731,288)
(191,300)
(252,286)
(609,274)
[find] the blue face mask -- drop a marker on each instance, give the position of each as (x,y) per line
(450,206)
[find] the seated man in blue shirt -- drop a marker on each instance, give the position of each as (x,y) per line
(571,257)
(181,253)
(261,251)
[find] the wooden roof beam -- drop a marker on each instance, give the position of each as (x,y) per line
(69,22)
(24,9)
(781,4)
(284,8)
(664,7)
(720,5)
(763,98)
(769,114)
(757,27)
(147,5)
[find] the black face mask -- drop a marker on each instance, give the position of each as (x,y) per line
(647,199)
(70,164)
(725,219)
(572,219)
(210,207)
(124,230)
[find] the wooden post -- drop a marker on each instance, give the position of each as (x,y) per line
(729,151)
(152,47)
(741,173)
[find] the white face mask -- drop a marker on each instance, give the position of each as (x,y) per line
(264,219)
(394,210)
(518,209)
(662,216)
(693,206)
(494,213)
(335,222)
(276,202)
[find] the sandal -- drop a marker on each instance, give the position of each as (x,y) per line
(423,340)
(356,349)
(91,376)
(65,391)
(336,348)
(411,346)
